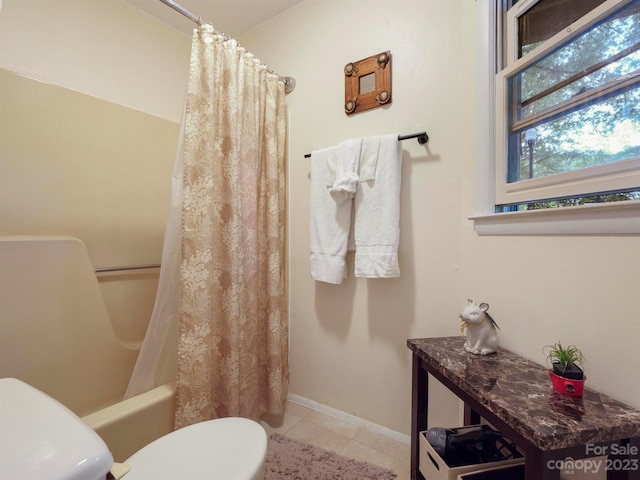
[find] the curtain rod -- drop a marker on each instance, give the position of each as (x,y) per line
(421,136)
(289,82)
(183,11)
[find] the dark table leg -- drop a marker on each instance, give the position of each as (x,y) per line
(537,465)
(471,417)
(634,458)
(419,405)
(622,463)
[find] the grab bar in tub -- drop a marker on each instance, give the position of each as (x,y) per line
(126,267)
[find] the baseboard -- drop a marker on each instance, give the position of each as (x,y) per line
(352,419)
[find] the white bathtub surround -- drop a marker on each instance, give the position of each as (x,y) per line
(49,292)
(129,425)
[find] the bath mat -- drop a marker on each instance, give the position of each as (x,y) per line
(289,459)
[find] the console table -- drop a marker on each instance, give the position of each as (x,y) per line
(515,396)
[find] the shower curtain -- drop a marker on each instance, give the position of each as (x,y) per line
(232,356)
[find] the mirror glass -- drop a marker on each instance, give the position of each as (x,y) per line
(367,83)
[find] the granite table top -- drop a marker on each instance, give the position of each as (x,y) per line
(518,391)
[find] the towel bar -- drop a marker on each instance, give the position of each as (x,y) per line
(421,136)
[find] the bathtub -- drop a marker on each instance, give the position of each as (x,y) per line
(56,334)
(131,424)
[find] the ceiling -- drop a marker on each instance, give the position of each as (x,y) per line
(233,17)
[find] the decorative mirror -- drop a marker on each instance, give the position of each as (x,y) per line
(367,83)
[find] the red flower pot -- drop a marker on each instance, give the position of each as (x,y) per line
(567,386)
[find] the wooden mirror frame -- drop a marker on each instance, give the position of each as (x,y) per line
(380,66)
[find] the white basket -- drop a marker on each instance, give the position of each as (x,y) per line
(433,467)
(504,469)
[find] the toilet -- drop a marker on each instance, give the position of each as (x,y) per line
(43,440)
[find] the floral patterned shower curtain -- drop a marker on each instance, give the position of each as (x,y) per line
(233,337)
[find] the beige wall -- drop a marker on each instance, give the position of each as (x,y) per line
(88,149)
(348,342)
(105,48)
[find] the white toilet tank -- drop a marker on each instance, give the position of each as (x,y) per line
(41,439)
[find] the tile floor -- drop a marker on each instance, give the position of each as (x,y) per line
(310,426)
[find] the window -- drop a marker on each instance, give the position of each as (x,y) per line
(567,103)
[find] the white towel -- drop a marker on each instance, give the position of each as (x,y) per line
(369,158)
(347,164)
(377,208)
(329,222)
(368,161)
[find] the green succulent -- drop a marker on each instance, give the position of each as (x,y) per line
(565,356)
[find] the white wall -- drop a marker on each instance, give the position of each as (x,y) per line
(348,342)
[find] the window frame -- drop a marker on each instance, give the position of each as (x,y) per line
(609,218)
(608,177)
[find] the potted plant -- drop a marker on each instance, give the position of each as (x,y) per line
(567,376)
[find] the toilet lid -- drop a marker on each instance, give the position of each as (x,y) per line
(42,439)
(223,449)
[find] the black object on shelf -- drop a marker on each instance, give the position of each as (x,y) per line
(471,445)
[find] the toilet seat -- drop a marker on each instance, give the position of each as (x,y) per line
(222,449)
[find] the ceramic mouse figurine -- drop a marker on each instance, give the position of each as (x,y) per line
(482,330)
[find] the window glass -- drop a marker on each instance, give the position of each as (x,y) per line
(546,18)
(608,131)
(579,105)
(604,53)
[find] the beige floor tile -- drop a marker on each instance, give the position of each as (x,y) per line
(360,451)
(334,424)
(325,431)
(399,450)
(293,408)
(310,432)
(279,425)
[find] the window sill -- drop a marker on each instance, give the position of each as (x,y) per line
(618,218)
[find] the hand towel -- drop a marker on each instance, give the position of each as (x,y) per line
(347,165)
(377,208)
(368,161)
(369,158)
(329,222)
